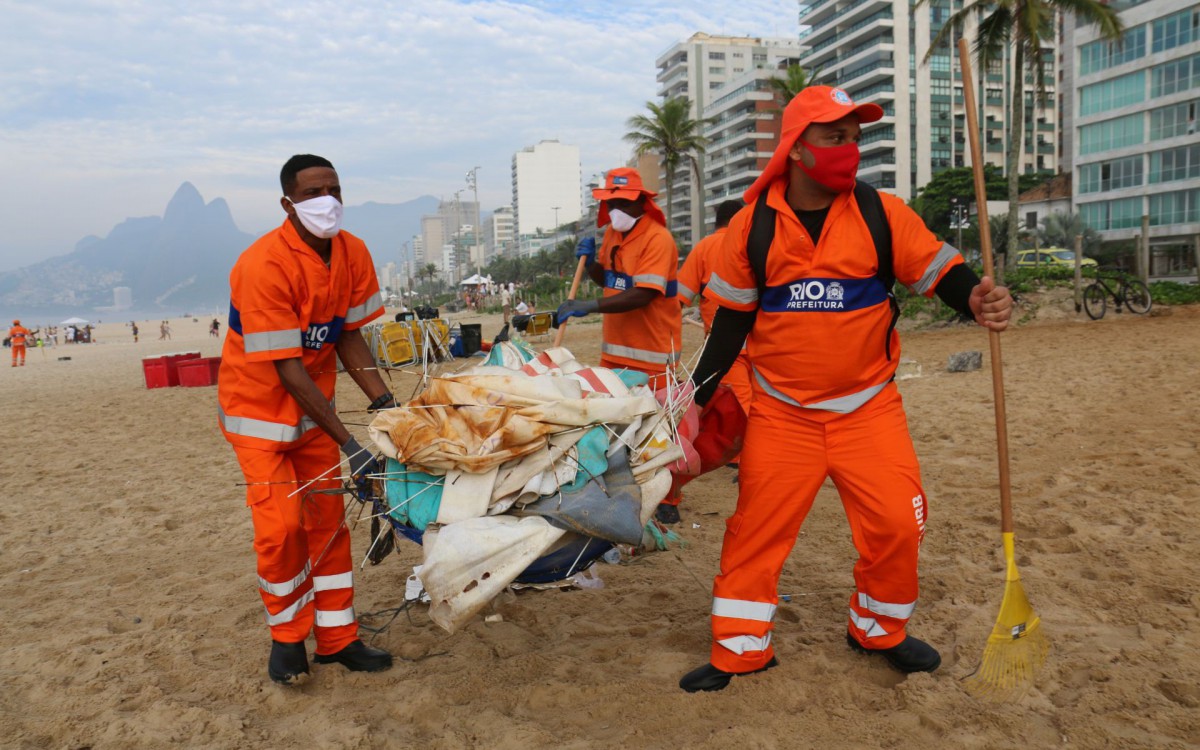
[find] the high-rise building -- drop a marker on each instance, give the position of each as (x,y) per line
(498,233)
(876,49)
(546,187)
(453,224)
(1136,150)
(702,69)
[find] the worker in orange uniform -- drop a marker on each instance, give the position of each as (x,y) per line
(637,267)
(17,336)
(299,296)
(801,273)
(693,277)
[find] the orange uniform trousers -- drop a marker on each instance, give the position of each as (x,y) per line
(303,548)
(788,453)
(740,378)
(18,354)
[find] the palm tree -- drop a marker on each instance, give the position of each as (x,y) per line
(670,132)
(795,79)
(1060,228)
(1021,27)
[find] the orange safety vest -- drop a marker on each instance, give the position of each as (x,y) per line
(285,303)
(823,330)
(17,335)
(649,338)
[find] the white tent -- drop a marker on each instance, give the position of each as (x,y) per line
(473,281)
(75,322)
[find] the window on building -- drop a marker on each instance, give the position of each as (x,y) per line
(1174,30)
(1175,120)
(738,54)
(1111,175)
(1180,163)
(739,70)
(1109,134)
(1175,76)
(1111,94)
(1103,54)
(716,70)
(1119,214)
(1179,207)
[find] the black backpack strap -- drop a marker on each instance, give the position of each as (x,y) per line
(762,234)
(871,207)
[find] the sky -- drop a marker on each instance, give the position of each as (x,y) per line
(107,106)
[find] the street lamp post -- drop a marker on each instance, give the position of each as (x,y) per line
(555,210)
(473,183)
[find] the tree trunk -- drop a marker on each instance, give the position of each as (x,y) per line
(700,192)
(1016,132)
(670,169)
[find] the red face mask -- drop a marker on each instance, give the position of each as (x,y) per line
(833,166)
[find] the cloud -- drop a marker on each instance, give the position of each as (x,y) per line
(106,106)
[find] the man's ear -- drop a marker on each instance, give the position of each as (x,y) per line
(801,154)
(286,204)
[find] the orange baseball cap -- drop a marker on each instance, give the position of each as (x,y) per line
(625,183)
(813,104)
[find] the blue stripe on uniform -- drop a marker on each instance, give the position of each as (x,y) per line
(824,295)
(622,282)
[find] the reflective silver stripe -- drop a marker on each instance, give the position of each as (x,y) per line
(641,355)
(732,293)
(286,587)
(945,254)
(358,312)
(328,583)
(867,625)
(839,405)
(270,341)
(743,610)
(743,643)
(649,278)
(683,291)
(334,618)
(289,614)
(258,428)
(887,609)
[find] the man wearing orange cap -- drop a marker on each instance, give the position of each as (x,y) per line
(823,348)
(298,297)
(637,267)
(16,338)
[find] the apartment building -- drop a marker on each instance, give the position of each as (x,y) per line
(701,68)
(546,187)
(1136,149)
(876,50)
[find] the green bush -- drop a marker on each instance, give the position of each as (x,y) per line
(1174,293)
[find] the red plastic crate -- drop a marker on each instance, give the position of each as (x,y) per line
(155,370)
(173,361)
(194,373)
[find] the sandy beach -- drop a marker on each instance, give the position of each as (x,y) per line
(133,618)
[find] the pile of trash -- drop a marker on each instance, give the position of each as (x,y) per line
(528,467)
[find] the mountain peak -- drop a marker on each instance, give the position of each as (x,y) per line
(186,202)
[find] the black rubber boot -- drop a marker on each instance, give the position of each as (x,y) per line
(910,655)
(358,657)
(288,661)
(710,678)
(666,513)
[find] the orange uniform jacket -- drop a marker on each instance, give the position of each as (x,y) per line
(17,335)
(284,303)
(649,338)
(819,338)
(693,277)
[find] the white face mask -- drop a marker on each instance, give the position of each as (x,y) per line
(621,221)
(321,215)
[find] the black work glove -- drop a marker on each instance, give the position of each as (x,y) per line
(362,461)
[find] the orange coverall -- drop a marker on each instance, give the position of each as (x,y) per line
(824,404)
(286,303)
(16,338)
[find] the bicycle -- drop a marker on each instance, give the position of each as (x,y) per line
(1130,292)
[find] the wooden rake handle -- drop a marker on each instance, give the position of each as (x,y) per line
(985,245)
(562,326)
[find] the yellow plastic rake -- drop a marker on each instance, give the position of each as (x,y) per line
(1017,647)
